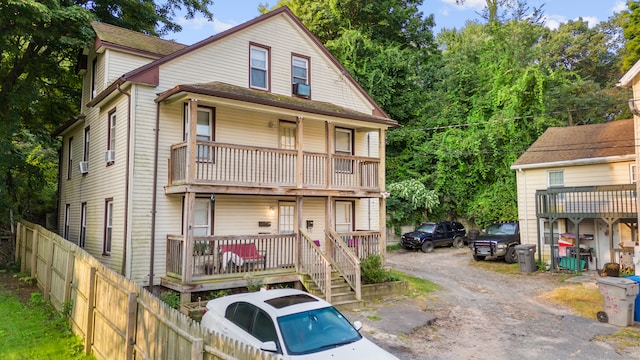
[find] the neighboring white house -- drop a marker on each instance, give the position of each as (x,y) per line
(208,166)
(580,180)
(631,79)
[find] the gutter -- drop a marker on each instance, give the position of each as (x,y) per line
(126,185)
(154,197)
(591,161)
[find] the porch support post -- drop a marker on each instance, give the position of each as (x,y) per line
(187,261)
(382,156)
(329,220)
(299,203)
(382,227)
(191,140)
(300,158)
(330,150)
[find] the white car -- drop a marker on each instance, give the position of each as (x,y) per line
(292,323)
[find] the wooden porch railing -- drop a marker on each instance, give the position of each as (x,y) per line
(315,264)
(346,262)
(362,243)
(222,256)
(218,163)
(618,201)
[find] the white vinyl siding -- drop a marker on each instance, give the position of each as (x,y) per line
(227,61)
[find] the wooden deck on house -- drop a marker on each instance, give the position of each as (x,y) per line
(609,201)
(234,165)
(222,262)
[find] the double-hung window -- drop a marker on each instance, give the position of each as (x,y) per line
(108,227)
(111,137)
(83,225)
(259,67)
(67,219)
(300,76)
(70,158)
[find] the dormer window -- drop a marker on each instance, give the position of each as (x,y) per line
(259,67)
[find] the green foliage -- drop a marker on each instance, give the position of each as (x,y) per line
(409,203)
(36,331)
(372,271)
(171,298)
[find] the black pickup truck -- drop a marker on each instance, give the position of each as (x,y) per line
(497,240)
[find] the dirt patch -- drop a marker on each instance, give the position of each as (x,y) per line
(20,286)
(484,314)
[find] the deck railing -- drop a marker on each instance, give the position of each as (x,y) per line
(228,256)
(587,201)
(315,264)
(346,261)
(362,243)
(227,164)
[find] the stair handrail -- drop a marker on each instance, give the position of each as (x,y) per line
(315,264)
(346,262)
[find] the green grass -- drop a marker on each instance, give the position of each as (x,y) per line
(417,286)
(35,331)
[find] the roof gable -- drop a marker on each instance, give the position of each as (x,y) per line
(128,40)
(142,72)
(573,143)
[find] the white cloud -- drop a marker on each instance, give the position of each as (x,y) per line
(468,4)
(204,26)
(619,6)
(554,21)
(591,20)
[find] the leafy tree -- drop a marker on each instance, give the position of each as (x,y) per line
(39,91)
(631,27)
(410,202)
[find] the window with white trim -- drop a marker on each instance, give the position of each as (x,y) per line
(202,217)
(69,158)
(108,227)
(344,216)
(67,216)
(85,152)
(555,178)
(632,173)
(259,67)
(83,225)
(286,217)
(299,70)
(111,134)
(343,146)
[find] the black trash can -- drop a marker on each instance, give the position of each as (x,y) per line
(526,257)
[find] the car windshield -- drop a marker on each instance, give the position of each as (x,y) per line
(316,330)
(501,229)
(428,228)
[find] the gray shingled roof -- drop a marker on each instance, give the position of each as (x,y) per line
(134,40)
(557,144)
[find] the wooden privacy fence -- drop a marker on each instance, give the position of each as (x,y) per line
(117,318)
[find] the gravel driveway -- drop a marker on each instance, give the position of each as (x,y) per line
(482,314)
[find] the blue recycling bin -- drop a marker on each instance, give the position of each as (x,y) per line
(636,314)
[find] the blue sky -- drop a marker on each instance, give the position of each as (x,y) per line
(229,13)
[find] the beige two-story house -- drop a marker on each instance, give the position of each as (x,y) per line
(577,189)
(251,155)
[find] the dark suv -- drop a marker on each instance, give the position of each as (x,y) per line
(498,240)
(432,234)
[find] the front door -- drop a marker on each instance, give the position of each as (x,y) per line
(344,216)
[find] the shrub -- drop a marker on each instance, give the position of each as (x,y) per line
(372,271)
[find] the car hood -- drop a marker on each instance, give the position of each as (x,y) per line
(418,234)
(361,349)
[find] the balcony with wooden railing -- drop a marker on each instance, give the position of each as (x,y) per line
(610,201)
(220,258)
(235,165)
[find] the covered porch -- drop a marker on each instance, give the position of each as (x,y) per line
(219,262)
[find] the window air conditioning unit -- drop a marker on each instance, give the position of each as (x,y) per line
(302,90)
(110,156)
(83,166)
